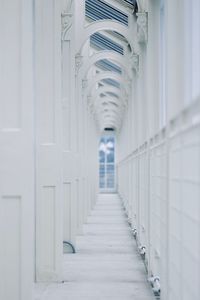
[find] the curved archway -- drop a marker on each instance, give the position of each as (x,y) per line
(101,25)
(106,89)
(107,75)
(109,118)
(111,111)
(105,54)
(140,5)
(113,90)
(109,124)
(98,102)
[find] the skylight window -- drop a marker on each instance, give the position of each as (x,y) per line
(113,103)
(131,2)
(107,65)
(112,94)
(111,82)
(100,10)
(102,42)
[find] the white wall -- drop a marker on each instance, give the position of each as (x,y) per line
(16,150)
(48,140)
(66,137)
(163,162)
(48,177)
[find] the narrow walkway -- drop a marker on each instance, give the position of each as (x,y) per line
(107,265)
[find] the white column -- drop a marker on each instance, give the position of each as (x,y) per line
(152,67)
(73,121)
(16,150)
(141,97)
(48,116)
(174,56)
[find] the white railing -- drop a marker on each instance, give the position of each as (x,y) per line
(159,183)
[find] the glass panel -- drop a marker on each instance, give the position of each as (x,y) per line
(102,170)
(102,149)
(102,176)
(110,168)
(110,150)
(101,156)
(102,182)
(106,162)
(110,176)
(110,156)
(110,181)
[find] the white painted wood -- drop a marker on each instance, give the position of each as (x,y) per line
(174,157)
(16,150)
(69,140)
(48,132)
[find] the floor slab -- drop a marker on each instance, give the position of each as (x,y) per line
(107,265)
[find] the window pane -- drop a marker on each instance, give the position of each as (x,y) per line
(102,170)
(101,156)
(102,182)
(110,169)
(110,176)
(106,162)
(110,181)
(110,156)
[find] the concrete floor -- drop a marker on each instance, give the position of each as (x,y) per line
(106,265)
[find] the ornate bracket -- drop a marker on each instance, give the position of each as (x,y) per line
(135,62)
(142,27)
(78,62)
(66,24)
(89,101)
(129,82)
(91,108)
(84,83)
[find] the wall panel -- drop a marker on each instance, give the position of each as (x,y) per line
(11,59)
(10,250)
(67,211)
(47,215)
(66,95)
(16,150)
(45,54)
(49,190)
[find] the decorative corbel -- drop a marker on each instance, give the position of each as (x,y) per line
(78,62)
(89,101)
(84,83)
(135,62)
(142,27)
(66,24)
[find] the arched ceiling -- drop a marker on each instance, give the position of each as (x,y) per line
(107,64)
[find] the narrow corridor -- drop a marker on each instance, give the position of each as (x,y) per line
(96,97)
(106,265)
